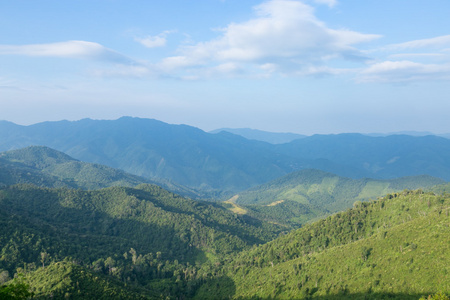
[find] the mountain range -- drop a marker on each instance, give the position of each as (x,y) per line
(83,230)
(224,161)
(264,136)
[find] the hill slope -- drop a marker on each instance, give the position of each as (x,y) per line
(314,193)
(393,248)
(47,167)
(90,225)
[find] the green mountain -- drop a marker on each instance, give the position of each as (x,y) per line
(43,166)
(304,195)
(148,243)
(88,225)
(394,248)
(46,167)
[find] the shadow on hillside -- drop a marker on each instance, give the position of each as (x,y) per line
(356,296)
(82,231)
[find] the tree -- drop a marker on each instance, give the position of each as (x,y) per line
(44,256)
(17,289)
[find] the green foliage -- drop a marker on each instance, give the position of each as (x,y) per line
(46,167)
(16,289)
(396,247)
(319,193)
(438,296)
(65,280)
(136,235)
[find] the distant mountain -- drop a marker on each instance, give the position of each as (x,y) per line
(315,193)
(410,133)
(357,156)
(264,136)
(214,163)
(154,149)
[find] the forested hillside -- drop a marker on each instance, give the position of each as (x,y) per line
(307,194)
(394,248)
(149,243)
(46,167)
(132,234)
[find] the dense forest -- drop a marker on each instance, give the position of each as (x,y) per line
(69,243)
(76,230)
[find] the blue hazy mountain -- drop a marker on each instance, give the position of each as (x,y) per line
(264,136)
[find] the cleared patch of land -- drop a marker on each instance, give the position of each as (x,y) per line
(275,203)
(236,208)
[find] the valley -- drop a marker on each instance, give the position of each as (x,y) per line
(140,209)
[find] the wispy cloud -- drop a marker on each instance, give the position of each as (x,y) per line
(154,41)
(436,42)
(411,61)
(404,72)
(283,33)
(69,49)
(8,84)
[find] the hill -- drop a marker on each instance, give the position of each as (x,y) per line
(153,244)
(92,225)
(304,195)
(393,248)
(46,167)
(43,166)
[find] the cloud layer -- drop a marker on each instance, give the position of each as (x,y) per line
(283,37)
(69,49)
(284,34)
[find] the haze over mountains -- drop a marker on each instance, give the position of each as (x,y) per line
(225,161)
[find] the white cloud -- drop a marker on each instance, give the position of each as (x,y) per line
(436,42)
(159,40)
(412,61)
(69,49)
(282,33)
(404,71)
(330,3)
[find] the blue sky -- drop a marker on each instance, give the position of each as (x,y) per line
(312,66)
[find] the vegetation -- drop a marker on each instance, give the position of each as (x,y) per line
(307,195)
(148,243)
(396,247)
(141,241)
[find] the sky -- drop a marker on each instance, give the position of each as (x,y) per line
(302,66)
